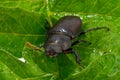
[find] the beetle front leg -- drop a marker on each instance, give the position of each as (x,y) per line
(75,53)
(33,47)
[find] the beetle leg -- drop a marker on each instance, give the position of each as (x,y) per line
(79,41)
(75,53)
(77,57)
(33,47)
(97,28)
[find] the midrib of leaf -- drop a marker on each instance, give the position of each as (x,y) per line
(17,34)
(49,13)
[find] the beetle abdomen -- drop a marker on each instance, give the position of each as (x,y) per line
(68,25)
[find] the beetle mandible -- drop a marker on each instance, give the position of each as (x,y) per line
(60,36)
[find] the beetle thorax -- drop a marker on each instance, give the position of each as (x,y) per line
(57,44)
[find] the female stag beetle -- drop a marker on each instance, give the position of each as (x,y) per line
(59,38)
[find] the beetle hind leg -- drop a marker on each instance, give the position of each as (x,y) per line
(92,29)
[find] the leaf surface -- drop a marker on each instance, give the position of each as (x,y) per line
(26,21)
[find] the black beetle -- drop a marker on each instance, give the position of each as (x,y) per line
(59,38)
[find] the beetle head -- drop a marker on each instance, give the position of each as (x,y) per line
(53,50)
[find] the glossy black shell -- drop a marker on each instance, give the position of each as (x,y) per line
(69,25)
(59,38)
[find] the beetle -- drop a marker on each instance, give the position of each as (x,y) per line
(60,36)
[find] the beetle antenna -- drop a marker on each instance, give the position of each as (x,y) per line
(97,28)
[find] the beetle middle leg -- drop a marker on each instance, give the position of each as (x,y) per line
(79,41)
(71,50)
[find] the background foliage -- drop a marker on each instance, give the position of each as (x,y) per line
(24,21)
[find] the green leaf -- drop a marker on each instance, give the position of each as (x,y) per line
(49,65)
(6,73)
(17,27)
(24,70)
(26,21)
(101,66)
